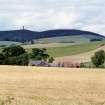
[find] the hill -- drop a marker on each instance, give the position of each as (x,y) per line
(27,35)
(51,86)
(64,40)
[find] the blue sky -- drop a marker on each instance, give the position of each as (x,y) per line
(53,14)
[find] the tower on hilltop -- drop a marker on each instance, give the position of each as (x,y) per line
(23,28)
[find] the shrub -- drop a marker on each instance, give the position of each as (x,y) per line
(99,58)
(82,65)
(51,59)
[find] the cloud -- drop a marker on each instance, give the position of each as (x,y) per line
(52,14)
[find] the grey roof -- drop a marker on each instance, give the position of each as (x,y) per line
(39,63)
(36,62)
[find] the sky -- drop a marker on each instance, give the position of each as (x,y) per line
(39,15)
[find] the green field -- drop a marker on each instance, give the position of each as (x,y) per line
(49,45)
(61,49)
(74,49)
(65,39)
(69,49)
(8,43)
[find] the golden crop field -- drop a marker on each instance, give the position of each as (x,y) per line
(51,86)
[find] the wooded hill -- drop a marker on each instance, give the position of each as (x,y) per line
(27,35)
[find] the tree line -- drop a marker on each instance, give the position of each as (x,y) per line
(17,55)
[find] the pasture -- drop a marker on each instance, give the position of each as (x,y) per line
(57,42)
(48,45)
(83,57)
(74,49)
(8,43)
(66,49)
(51,86)
(66,39)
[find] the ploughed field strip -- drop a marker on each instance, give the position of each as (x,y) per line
(51,86)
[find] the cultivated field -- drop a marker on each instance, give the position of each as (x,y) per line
(51,86)
(80,58)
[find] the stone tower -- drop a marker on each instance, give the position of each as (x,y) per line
(23,28)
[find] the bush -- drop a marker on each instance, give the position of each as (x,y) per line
(98,59)
(82,65)
(51,59)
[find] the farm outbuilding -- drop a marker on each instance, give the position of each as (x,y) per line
(39,63)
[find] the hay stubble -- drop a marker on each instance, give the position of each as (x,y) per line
(51,86)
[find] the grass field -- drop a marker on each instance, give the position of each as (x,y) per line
(76,39)
(51,86)
(74,49)
(66,49)
(58,42)
(7,43)
(49,45)
(80,58)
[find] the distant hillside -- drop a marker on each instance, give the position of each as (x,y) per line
(8,43)
(71,40)
(27,35)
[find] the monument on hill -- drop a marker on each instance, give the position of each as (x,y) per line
(23,28)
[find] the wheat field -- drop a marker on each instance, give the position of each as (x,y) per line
(51,86)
